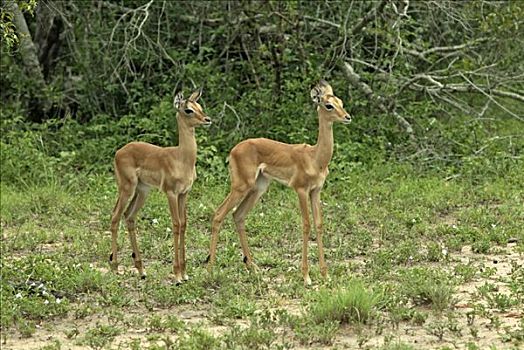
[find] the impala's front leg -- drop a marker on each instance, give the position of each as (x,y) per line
(175,219)
(182,214)
(302,198)
(317,220)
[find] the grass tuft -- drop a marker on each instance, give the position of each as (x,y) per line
(352,304)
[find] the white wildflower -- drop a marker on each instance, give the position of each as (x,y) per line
(18,296)
(46,302)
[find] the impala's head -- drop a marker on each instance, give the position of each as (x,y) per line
(190,110)
(328,105)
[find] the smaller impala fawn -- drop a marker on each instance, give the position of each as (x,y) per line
(255,162)
(140,166)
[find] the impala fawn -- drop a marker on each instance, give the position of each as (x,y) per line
(255,162)
(140,166)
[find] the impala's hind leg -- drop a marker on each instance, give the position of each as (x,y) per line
(243,179)
(132,210)
(125,191)
(261,185)
(233,198)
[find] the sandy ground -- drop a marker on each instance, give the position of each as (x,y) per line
(479,330)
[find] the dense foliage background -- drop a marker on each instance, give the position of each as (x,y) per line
(423,209)
(438,84)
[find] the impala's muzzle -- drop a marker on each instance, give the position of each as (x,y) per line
(207,121)
(347,119)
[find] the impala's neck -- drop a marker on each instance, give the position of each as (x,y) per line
(324,146)
(186,140)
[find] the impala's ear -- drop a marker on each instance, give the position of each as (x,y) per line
(325,87)
(316,95)
(195,95)
(178,101)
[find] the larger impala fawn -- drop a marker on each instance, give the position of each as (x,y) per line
(140,166)
(255,162)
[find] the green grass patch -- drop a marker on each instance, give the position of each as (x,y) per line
(353,303)
(394,241)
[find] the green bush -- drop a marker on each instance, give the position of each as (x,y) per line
(425,286)
(352,304)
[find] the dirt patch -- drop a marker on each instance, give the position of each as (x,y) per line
(69,330)
(475,317)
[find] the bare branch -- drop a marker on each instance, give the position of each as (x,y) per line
(368,17)
(250,62)
(491,98)
(422,55)
(509,94)
(367,64)
(456,87)
(323,21)
(484,109)
(356,81)
(482,89)
(137,24)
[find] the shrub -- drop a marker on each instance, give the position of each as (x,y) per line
(353,303)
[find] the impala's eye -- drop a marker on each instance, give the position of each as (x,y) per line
(188,111)
(329,107)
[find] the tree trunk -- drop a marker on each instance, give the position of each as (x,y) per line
(47,38)
(29,56)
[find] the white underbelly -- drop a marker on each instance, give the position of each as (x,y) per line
(262,170)
(282,181)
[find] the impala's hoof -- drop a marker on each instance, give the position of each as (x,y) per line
(250,264)
(206,261)
(143,277)
(133,255)
(113,264)
(178,282)
(307,281)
